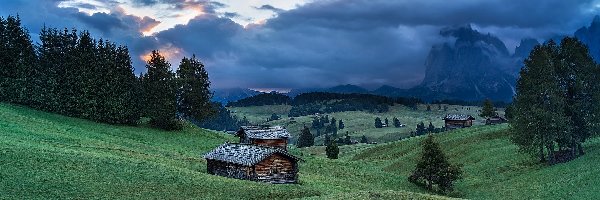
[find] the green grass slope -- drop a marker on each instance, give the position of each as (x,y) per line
(359,123)
(493,167)
(48,156)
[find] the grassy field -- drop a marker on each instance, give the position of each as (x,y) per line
(46,156)
(358,123)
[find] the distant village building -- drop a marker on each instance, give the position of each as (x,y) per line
(495,120)
(453,121)
(261,155)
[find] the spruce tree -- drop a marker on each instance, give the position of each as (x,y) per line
(430,128)
(160,93)
(194,90)
(332,150)
(387,122)
(306,139)
(488,109)
(434,169)
(341,124)
(397,123)
(364,139)
(378,123)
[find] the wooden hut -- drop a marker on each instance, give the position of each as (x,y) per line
(453,121)
(276,136)
(495,120)
(253,162)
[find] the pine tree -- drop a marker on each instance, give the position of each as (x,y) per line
(341,124)
(421,129)
(327,140)
(332,150)
(387,122)
(397,123)
(160,89)
(434,169)
(428,108)
(378,123)
(306,139)
(364,139)
(194,90)
(430,128)
(488,109)
(347,139)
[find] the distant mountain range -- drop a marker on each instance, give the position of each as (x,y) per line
(232,94)
(473,67)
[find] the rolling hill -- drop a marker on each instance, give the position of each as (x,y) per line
(48,156)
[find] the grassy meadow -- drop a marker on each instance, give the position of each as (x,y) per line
(48,156)
(359,123)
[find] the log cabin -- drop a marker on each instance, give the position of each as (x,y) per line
(453,121)
(276,136)
(495,120)
(253,162)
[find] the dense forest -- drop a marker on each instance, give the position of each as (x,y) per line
(71,73)
(272,98)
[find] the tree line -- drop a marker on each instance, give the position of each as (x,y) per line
(71,73)
(272,98)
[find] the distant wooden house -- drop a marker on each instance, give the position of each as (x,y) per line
(261,155)
(252,162)
(453,121)
(266,136)
(495,120)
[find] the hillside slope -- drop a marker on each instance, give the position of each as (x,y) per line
(48,156)
(493,167)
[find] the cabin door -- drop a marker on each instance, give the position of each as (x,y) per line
(277,171)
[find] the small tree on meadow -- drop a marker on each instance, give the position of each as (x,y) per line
(364,139)
(306,139)
(433,169)
(488,109)
(347,139)
(421,129)
(396,122)
(430,128)
(378,123)
(332,150)
(428,108)
(341,124)
(387,122)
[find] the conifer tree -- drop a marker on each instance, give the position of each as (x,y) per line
(434,169)
(306,139)
(160,93)
(194,90)
(378,123)
(397,123)
(364,139)
(430,128)
(488,109)
(332,150)
(341,124)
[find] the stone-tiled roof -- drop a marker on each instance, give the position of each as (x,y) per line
(458,117)
(275,132)
(244,154)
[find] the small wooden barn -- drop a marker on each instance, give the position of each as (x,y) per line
(253,162)
(276,136)
(495,120)
(453,121)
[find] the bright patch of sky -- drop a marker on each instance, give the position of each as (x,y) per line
(247,11)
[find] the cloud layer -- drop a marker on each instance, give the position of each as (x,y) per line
(319,44)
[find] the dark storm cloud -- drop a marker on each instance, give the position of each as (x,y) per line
(324,43)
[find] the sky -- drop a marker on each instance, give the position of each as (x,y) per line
(287,44)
